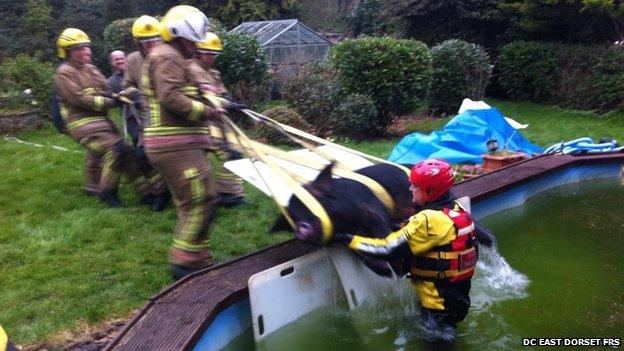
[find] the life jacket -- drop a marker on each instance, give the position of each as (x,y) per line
(454,261)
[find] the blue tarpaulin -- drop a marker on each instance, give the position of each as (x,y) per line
(463,139)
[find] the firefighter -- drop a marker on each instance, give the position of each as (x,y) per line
(229,186)
(146,34)
(177,139)
(440,245)
(84,101)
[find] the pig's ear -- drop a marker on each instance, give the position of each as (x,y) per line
(281,224)
(322,184)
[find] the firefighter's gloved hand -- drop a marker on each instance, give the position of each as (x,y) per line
(343,238)
(116,97)
(235,106)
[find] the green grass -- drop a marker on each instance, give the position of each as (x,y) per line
(67,261)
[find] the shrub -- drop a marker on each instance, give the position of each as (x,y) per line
(528,70)
(395,73)
(24,72)
(242,64)
(460,70)
(356,117)
(283,115)
(313,92)
(118,35)
(607,80)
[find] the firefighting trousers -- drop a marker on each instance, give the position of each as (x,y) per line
(226,181)
(187,174)
(93,172)
(115,157)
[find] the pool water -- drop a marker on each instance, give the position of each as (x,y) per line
(558,271)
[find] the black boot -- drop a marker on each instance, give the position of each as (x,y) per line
(178,272)
(161,201)
(110,198)
(230,200)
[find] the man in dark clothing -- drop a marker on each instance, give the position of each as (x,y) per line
(115,84)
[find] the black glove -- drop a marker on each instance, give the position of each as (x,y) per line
(235,106)
(343,238)
(113,96)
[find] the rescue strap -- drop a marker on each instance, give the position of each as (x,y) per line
(439,274)
(294,186)
(446,255)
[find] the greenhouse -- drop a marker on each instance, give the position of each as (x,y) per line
(288,44)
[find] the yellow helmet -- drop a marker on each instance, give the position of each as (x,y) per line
(212,44)
(68,38)
(146,27)
(186,22)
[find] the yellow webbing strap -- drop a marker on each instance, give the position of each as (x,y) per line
(446,255)
(4,339)
(299,191)
(308,136)
(380,192)
(439,275)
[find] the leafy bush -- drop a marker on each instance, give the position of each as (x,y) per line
(118,35)
(460,70)
(356,117)
(243,67)
(395,73)
(283,115)
(24,72)
(607,80)
(313,92)
(528,70)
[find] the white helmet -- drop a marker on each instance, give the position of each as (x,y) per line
(186,22)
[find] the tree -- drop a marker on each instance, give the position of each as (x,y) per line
(571,21)
(38,25)
(366,19)
(433,21)
(233,12)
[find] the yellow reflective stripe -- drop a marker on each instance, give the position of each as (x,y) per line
(184,245)
(88,91)
(154,105)
(190,230)
(98,103)
(161,131)
(64,113)
(197,111)
(83,121)
(190,91)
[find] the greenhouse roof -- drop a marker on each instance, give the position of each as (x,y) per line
(281,32)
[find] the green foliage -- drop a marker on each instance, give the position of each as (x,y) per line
(607,80)
(356,117)
(37,24)
(243,67)
(25,72)
(395,73)
(314,93)
(460,70)
(528,70)
(570,21)
(242,59)
(366,19)
(283,115)
(118,35)
(433,21)
(233,12)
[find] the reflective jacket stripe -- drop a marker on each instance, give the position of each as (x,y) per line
(162,131)
(83,121)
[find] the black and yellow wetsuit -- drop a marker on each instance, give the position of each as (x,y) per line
(442,248)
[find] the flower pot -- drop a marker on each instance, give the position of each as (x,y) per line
(494,162)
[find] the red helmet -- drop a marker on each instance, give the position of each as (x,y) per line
(433,178)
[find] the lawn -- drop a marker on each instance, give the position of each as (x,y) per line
(68,263)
